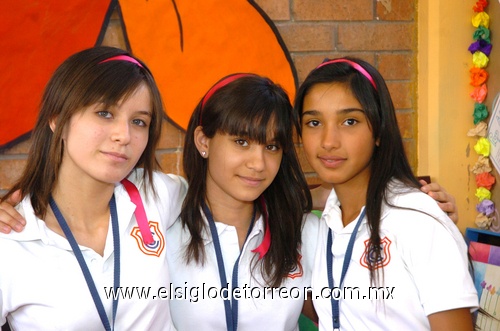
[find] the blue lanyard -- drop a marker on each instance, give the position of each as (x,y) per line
(81,261)
(347,260)
(230,308)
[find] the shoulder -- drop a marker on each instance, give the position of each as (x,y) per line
(402,199)
(413,214)
(167,186)
(160,179)
(310,224)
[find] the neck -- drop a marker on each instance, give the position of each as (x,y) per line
(85,207)
(238,215)
(352,199)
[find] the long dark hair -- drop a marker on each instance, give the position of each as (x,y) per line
(244,107)
(80,81)
(389,160)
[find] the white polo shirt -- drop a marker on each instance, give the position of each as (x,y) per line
(42,286)
(192,309)
(425,267)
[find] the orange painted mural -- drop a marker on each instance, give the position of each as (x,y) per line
(188,45)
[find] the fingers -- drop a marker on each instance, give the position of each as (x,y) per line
(9,222)
(450,209)
(15,198)
(10,219)
(445,200)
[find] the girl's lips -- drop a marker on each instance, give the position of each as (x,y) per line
(331,161)
(251,180)
(119,157)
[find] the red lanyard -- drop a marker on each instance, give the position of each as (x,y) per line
(140,213)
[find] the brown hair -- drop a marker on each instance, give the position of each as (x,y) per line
(80,81)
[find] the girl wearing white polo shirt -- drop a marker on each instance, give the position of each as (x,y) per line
(236,256)
(99,121)
(388,258)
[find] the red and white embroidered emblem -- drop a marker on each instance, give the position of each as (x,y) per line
(297,271)
(154,249)
(369,254)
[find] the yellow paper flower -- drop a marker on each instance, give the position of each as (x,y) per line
(481,19)
(479,59)
(482,165)
(482,193)
(482,146)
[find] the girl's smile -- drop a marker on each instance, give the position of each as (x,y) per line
(336,135)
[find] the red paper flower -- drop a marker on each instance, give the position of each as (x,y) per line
(480,5)
(485,179)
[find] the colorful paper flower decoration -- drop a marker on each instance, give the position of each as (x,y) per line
(481,49)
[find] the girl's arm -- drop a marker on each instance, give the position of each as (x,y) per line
(445,200)
(452,320)
(308,309)
(11,219)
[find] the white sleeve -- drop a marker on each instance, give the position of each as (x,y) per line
(310,229)
(171,191)
(3,313)
(435,255)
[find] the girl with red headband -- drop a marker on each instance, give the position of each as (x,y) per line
(387,258)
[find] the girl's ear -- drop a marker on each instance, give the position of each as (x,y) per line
(52,123)
(377,142)
(201,141)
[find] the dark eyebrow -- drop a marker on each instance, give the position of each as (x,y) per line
(351,110)
(342,111)
(310,112)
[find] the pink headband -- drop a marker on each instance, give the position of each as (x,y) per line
(223,82)
(354,65)
(123,58)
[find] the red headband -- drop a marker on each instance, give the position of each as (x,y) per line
(354,65)
(223,82)
(123,58)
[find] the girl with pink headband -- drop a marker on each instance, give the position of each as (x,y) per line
(387,257)
(241,224)
(98,127)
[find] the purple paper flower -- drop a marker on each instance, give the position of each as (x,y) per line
(486,207)
(482,46)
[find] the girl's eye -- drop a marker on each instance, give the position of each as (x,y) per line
(272,148)
(312,123)
(350,122)
(104,113)
(140,122)
(241,142)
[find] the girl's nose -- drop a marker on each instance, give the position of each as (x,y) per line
(330,138)
(256,159)
(121,132)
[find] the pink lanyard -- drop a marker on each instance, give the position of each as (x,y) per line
(140,213)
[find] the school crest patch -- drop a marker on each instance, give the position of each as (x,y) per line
(297,271)
(154,249)
(369,254)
